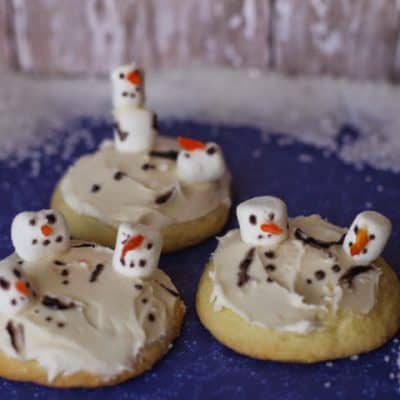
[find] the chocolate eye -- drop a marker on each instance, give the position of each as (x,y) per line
(253,219)
(121,75)
(372,237)
(17,273)
(211,150)
(187,155)
(51,218)
(356,229)
(32,222)
(271,216)
(124,94)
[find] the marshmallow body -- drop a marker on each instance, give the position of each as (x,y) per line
(127,86)
(37,235)
(201,165)
(263,221)
(367,237)
(15,290)
(134,131)
(137,250)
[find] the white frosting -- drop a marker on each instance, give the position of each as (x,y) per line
(263,221)
(108,318)
(137,250)
(37,235)
(135,197)
(201,165)
(367,237)
(292,287)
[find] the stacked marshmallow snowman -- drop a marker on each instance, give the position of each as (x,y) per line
(134,124)
(137,250)
(199,162)
(263,221)
(36,236)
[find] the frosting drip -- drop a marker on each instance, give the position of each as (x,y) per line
(294,285)
(142,187)
(87,317)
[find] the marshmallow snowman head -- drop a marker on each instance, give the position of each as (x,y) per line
(15,289)
(199,162)
(38,235)
(263,221)
(137,250)
(367,237)
(127,86)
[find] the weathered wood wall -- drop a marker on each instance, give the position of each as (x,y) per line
(354,38)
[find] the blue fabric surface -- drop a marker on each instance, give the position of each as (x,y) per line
(198,367)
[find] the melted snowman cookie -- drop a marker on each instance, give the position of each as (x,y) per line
(63,307)
(300,277)
(179,186)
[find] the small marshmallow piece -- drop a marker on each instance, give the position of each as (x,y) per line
(134,131)
(137,250)
(367,237)
(37,235)
(127,86)
(202,164)
(263,221)
(15,292)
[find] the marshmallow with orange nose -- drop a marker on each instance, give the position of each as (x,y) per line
(263,221)
(39,235)
(137,250)
(134,125)
(127,86)
(367,237)
(199,162)
(15,289)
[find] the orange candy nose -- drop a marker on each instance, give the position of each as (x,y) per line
(133,243)
(190,144)
(22,288)
(135,77)
(361,242)
(272,228)
(47,230)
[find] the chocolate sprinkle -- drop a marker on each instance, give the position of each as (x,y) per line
(118,175)
(336,268)
(96,273)
(269,254)
(58,262)
(61,324)
(77,246)
(66,282)
(64,272)
(147,166)
(138,286)
(169,290)
(4,284)
(319,244)
(56,304)
(243,276)
(151,317)
(17,335)
(163,198)
(169,154)
(17,273)
(348,277)
(121,134)
(270,267)
(95,188)
(319,275)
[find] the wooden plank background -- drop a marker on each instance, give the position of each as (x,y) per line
(353,38)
